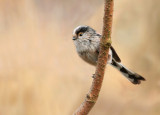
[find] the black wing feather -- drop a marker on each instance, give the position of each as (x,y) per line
(115,55)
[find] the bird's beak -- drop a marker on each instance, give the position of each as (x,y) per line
(74,38)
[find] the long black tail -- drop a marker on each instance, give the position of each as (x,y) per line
(131,76)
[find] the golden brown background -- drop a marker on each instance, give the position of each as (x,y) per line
(41,74)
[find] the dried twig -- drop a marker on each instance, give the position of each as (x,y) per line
(105,43)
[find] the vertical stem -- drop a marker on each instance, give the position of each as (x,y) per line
(105,43)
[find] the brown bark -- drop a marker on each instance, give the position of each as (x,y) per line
(105,43)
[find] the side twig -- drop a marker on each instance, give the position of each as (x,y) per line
(105,43)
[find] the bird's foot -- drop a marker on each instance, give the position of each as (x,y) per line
(93,76)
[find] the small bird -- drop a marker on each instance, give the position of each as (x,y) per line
(87,43)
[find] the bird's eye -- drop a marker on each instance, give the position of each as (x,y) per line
(80,34)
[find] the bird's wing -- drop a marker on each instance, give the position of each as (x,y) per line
(115,55)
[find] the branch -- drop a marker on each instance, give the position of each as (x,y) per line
(105,43)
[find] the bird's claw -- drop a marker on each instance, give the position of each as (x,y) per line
(93,76)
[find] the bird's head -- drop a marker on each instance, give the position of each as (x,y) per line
(83,33)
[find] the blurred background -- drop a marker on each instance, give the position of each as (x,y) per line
(41,73)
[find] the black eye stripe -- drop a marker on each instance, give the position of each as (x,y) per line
(82,29)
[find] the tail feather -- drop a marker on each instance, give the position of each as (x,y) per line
(131,76)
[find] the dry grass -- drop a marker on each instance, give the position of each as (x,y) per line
(41,74)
